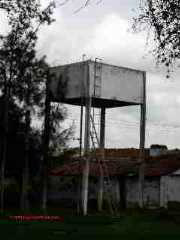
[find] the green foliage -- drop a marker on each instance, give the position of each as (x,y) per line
(161,17)
(23,75)
(23,78)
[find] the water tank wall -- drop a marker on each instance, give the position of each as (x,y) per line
(117,83)
(67,81)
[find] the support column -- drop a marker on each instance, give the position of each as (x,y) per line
(102,128)
(142,143)
(117,192)
(85,178)
(81,128)
(82,108)
(102,145)
(122,190)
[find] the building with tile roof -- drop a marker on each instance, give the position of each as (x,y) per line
(162,174)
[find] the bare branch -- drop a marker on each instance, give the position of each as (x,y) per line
(62,3)
(99,2)
(87,2)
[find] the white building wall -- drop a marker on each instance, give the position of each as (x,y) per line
(151,192)
(173,183)
(132,189)
(164,191)
(157,191)
(170,189)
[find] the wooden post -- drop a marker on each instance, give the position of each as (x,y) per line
(142,143)
(85,179)
(102,145)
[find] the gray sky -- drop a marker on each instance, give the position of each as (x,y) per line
(104,30)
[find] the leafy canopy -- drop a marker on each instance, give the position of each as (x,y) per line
(162,17)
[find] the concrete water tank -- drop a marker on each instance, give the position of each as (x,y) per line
(108,85)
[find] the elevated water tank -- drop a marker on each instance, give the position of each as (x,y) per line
(108,85)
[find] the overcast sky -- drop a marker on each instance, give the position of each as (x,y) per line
(104,30)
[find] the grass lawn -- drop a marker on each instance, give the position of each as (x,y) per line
(128,226)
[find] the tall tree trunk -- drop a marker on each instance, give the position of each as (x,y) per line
(25,175)
(4,141)
(46,137)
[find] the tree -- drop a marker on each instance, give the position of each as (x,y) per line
(20,69)
(23,76)
(52,139)
(16,147)
(162,18)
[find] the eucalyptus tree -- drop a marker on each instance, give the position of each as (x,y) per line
(23,78)
(21,73)
(162,19)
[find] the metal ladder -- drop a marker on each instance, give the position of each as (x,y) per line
(95,130)
(97,77)
(95,113)
(103,168)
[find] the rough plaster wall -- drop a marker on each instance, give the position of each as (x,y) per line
(164,191)
(62,188)
(74,73)
(118,83)
(132,191)
(122,84)
(170,189)
(173,183)
(65,188)
(151,192)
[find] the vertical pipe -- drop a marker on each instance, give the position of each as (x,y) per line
(102,145)
(142,143)
(85,179)
(102,128)
(82,109)
(81,126)
(81,134)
